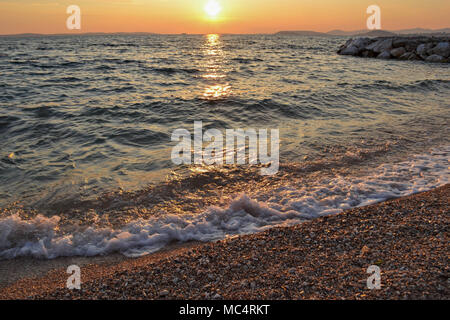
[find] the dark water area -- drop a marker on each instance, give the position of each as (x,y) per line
(84,115)
(89,113)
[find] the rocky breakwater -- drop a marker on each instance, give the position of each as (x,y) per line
(429,49)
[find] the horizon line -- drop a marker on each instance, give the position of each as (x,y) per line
(222,33)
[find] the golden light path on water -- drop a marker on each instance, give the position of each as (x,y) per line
(214,69)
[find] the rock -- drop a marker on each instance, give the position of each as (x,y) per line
(368,54)
(383,45)
(350,51)
(398,52)
(422,49)
(400,47)
(442,49)
(411,45)
(401,42)
(409,56)
(164,293)
(435,58)
(430,50)
(384,55)
(372,45)
(349,41)
(364,250)
(361,42)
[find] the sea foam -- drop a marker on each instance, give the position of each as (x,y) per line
(287,205)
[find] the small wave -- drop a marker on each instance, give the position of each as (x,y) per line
(424,85)
(115,89)
(70,64)
(7,120)
(172,71)
(104,67)
(428,84)
(288,205)
(247,60)
(135,137)
(114,45)
(63,79)
(44,112)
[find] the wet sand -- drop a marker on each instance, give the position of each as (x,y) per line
(325,258)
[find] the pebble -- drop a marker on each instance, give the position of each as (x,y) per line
(413,263)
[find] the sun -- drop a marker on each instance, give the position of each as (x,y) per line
(213,8)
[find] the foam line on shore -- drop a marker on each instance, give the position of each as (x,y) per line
(288,205)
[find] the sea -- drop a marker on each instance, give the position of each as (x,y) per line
(86,124)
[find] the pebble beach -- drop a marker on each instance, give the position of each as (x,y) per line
(325,258)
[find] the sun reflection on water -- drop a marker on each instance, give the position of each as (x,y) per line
(214,69)
(219,91)
(213,39)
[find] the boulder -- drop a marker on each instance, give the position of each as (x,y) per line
(350,51)
(400,42)
(435,58)
(349,41)
(361,42)
(368,54)
(372,45)
(411,45)
(384,55)
(397,52)
(421,49)
(409,56)
(442,49)
(383,45)
(434,48)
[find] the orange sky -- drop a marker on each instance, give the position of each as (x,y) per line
(237,16)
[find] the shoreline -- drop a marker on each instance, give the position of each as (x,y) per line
(325,258)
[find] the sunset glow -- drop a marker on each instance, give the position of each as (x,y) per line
(213,8)
(218,16)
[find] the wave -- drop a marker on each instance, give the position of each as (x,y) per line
(423,85)
(288,205)
(171,71)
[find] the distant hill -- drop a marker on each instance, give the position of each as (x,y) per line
(364,33)
(402,32)
(345,33)
(377,33)
(302,33)
(422,31)
(75,34)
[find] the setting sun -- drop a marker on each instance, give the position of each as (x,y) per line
(213,8)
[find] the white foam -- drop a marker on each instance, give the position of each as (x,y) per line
(286,206)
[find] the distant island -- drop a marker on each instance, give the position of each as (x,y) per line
(302,33)
(364,33)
